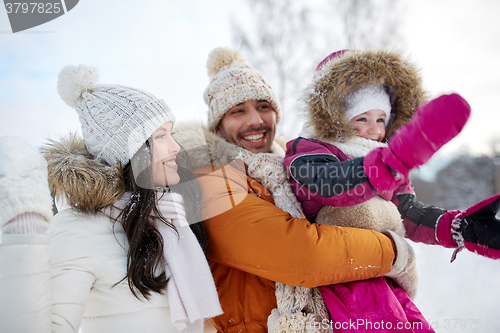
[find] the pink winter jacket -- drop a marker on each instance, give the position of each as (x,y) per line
(373,305)
(321,174)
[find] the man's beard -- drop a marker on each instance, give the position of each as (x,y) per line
(239,136)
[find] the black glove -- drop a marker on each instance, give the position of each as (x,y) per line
(477,228)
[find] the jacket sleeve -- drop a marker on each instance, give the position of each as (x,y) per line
(419,220)
(322,173)
(25,304)
(51,280)
(255,236)
(74,269)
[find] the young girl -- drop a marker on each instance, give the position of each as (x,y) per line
(125,251)
(357,100)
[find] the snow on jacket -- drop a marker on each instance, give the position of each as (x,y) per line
(73,276)
(253,244)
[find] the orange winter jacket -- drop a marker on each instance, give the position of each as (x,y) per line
(253,244)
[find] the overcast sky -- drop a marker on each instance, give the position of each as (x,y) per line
(456,43)
(162,46)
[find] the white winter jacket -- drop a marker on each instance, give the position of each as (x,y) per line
(73,276)
(87,251)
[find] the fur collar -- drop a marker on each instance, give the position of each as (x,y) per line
(205,149)
(202,148)
(325,108)
(78,179)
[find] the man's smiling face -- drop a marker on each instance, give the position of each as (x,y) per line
(250,125)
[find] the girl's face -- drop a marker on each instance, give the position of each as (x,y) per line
(370,125)
(165,150)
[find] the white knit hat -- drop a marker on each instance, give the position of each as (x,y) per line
(116,120)
(366,99)
(234,82)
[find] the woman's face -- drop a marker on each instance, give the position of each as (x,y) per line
(165,150)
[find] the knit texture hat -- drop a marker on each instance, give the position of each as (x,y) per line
(116,120)
(234,82)
(366,99)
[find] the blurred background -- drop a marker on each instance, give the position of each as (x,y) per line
(162,47)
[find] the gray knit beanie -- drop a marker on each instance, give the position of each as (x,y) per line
(116,120)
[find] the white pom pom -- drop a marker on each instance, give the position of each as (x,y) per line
(73,81)
(220,57)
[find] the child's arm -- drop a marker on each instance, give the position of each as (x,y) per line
(419,219)
(477,229)
(432,126)
(319,178)
(322,175)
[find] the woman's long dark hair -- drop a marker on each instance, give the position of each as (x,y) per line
(145,272)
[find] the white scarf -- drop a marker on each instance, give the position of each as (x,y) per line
(191,291)
(357,146)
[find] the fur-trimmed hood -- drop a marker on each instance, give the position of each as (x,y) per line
(324,98)
(75,176)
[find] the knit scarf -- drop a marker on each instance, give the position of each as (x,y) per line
(298,309)
(191,291)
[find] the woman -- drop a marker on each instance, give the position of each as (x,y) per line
(122,257)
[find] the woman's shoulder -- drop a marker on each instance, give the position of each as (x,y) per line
(90,236)
(88,223)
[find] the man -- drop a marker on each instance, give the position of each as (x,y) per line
(253,243)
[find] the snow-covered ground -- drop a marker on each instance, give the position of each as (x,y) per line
(465,291)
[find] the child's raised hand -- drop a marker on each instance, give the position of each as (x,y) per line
(433,125)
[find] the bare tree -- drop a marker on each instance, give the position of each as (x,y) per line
(372,23)
(495,149)
(464,181)
(286,39)
(494,144)
(279,44)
